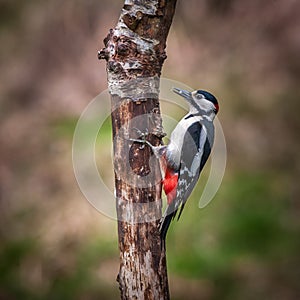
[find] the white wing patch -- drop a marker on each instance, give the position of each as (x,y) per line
(195,164)
(203,137)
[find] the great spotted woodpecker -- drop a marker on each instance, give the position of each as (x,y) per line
(182,160)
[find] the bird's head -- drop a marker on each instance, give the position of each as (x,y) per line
(201,102)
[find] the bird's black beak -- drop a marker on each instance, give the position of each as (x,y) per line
(183,93)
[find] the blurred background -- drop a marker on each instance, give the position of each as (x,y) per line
(245,244)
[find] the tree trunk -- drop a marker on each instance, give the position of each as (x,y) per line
(135,52)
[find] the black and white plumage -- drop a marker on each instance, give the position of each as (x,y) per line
(185,156)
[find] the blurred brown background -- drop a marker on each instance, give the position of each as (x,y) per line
(245,244)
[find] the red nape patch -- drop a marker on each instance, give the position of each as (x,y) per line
(217,107)
(170,185)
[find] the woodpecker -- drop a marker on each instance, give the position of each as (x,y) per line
(182,160)
(187,152)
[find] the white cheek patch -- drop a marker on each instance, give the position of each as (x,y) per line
(206,105)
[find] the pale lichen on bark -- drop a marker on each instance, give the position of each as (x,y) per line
(131,50)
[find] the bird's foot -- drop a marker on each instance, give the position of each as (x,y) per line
(142,140)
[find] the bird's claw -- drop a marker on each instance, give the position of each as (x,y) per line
(142,140)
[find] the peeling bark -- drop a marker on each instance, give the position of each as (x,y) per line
(135,52)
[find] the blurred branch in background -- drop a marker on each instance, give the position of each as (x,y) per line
(245,244)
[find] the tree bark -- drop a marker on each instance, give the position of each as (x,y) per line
(135,52)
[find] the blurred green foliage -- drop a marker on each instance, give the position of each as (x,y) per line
(64,128)
(252,228)
(65,283)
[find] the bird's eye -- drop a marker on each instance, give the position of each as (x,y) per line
(199,96)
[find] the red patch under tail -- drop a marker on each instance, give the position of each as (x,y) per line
(170,184)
